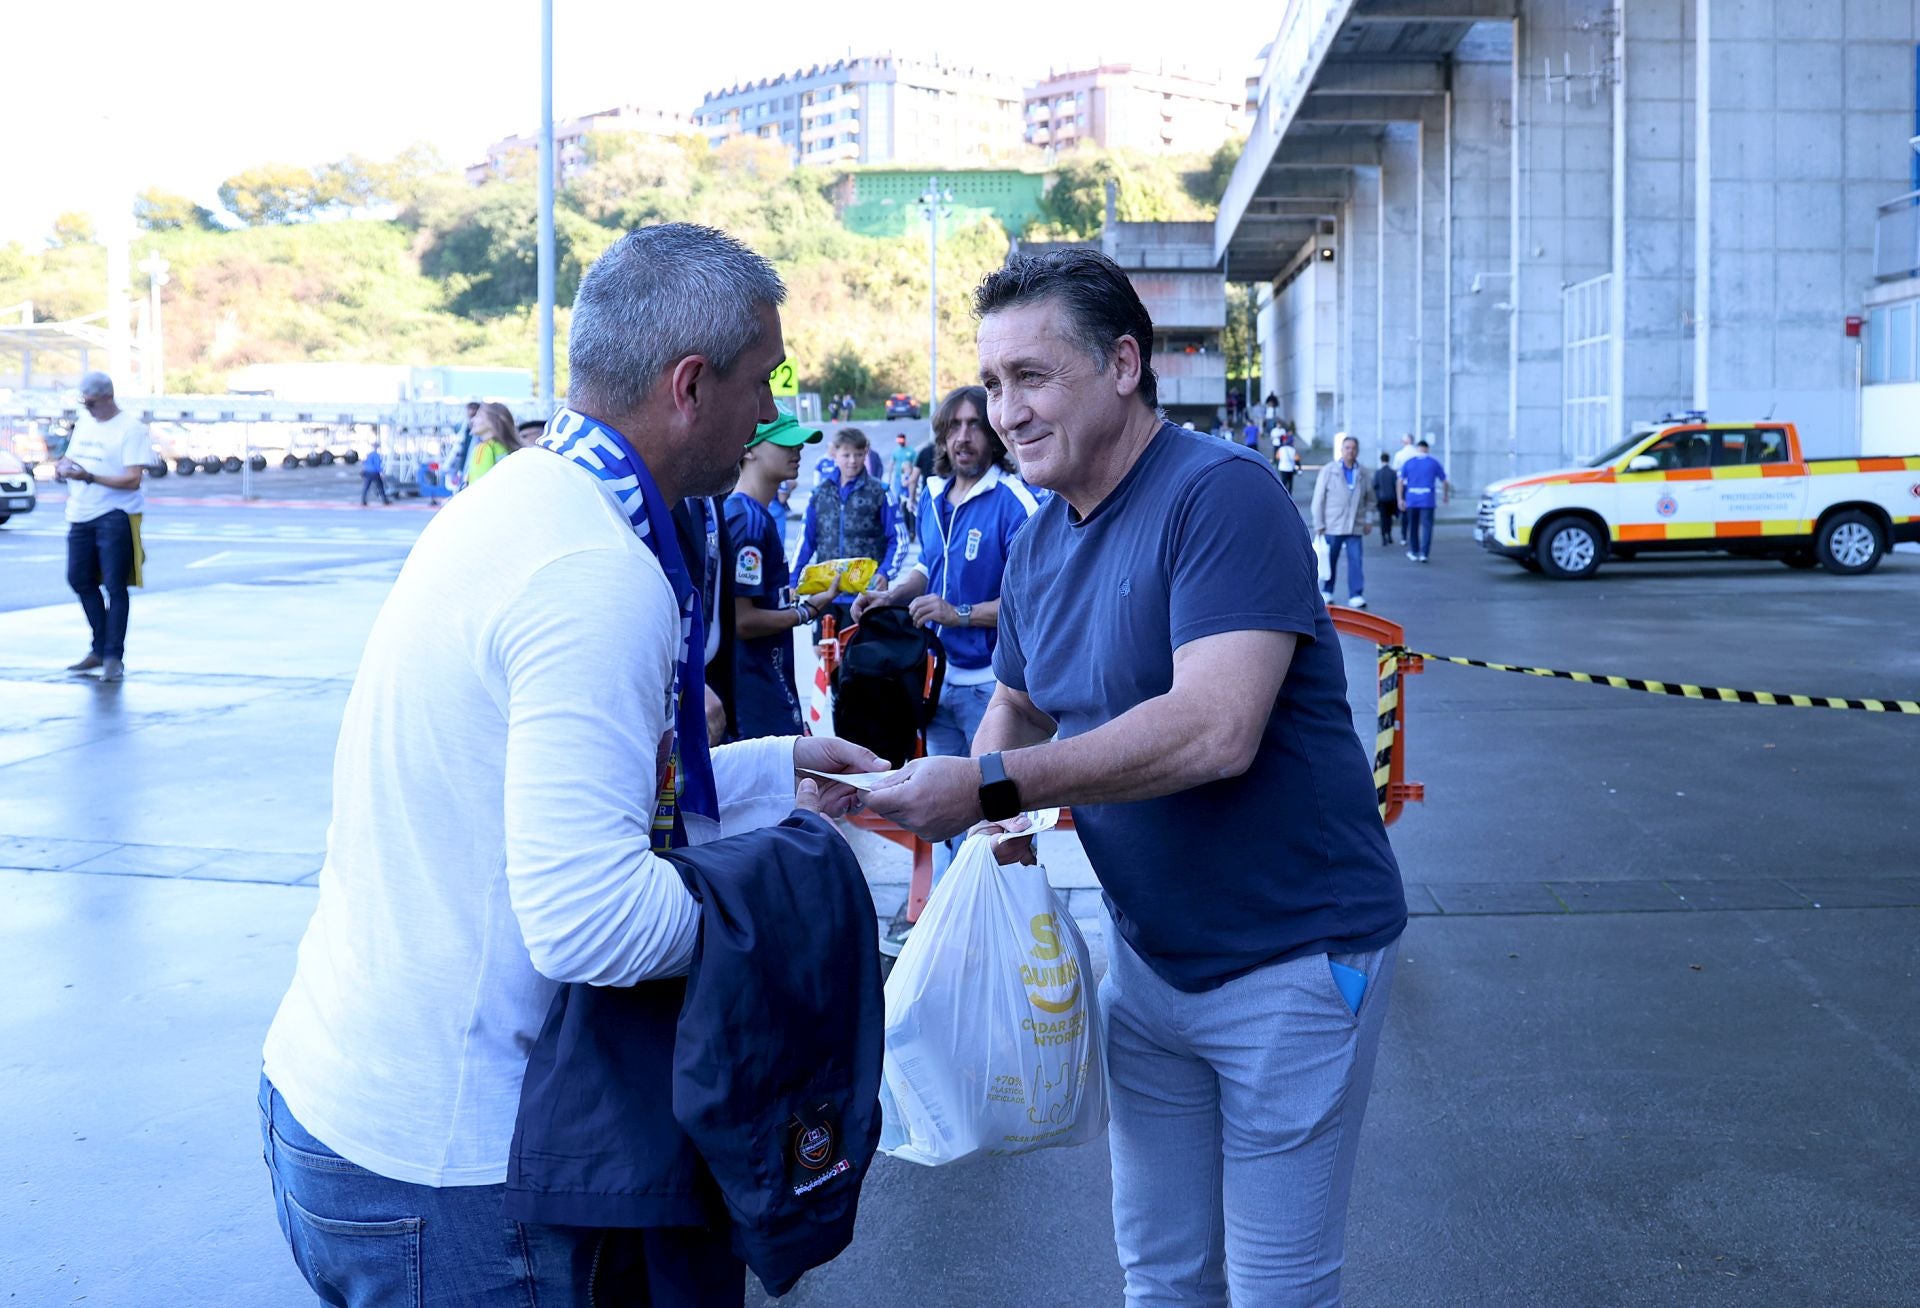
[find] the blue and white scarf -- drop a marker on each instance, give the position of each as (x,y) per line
(687,786)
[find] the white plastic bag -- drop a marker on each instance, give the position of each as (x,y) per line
(1323,560)
(993,1033)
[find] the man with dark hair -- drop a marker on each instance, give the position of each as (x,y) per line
(1386,496)
(1166,667)
(1420,477)
(850,514)
(969,514)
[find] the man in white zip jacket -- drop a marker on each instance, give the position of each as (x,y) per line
(514,752)
(968,515)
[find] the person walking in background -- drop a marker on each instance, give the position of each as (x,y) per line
(372,470)
(1286,461)
(1421,480)
(496,436)
(1405,452)
(1272,412)
(1386,496)
(102,468)
(850,515)
(969,513)
(1250,432)
(766,695)
(1343,515)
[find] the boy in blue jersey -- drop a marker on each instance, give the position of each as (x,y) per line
(1422,479)
(766,695)
(969,512)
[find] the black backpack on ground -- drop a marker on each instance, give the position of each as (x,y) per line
(887,684)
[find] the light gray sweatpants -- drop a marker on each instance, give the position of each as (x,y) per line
(1236,1120)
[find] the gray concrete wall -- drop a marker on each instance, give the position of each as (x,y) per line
(1401,248)
(1812,105)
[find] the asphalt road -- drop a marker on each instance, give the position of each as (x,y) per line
(198,532)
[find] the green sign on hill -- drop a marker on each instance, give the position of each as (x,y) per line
(886,201)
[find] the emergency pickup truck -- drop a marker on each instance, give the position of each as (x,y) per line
(1736,488)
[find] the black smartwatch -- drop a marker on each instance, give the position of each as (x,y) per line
(999,797)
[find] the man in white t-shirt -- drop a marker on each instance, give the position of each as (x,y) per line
(102,467)
(512,741)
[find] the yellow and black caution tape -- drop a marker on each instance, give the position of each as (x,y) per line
(1680,690)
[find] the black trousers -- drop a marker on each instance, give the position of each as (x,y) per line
(100,557)
(370,481)
(1387,509)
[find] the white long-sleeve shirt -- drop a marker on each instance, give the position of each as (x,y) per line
(494,789)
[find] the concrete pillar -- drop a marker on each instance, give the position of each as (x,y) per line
(1561,225)
(1656,197)
(1401,248)
(1481,288)
(1361,243)
(1430,405)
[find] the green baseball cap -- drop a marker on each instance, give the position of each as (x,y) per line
(784,429)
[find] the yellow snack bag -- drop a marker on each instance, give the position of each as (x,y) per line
(848,576)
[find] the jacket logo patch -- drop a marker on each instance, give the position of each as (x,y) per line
(973,543)
(813,1146)
(748,566)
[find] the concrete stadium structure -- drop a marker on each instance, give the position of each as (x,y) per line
(1521,226)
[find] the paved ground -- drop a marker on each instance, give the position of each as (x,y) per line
(1651,1044)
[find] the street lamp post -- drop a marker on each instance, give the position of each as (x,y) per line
(156,270)
(932,204)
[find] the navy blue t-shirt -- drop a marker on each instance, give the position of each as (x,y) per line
(766,701)
(1291,857)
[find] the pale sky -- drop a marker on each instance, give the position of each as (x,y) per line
(111,97)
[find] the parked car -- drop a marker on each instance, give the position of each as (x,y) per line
(17,493)
(1742,488)
(901,405)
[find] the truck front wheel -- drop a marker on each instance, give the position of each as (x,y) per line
(1850,543)
(1571,550)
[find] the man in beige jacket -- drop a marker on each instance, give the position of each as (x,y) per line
(1343,512)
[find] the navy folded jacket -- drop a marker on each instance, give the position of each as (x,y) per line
(745,1096)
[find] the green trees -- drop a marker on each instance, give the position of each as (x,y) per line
(157,210)
(451,277)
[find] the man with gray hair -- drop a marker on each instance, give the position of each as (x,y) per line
(522,745)
(102,467)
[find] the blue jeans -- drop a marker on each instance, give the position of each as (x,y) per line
(100,556)
(1235,1122)
(363,1241)
(1419,531)
(951,732)
(1352,547)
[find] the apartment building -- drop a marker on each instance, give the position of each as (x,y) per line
(1123,106)
(570,141)
(873,109)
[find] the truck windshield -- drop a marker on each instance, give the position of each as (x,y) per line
(1614,452)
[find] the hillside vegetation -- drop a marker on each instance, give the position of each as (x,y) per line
(294,272)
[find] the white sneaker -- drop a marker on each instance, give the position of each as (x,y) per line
(1413,556)
(1356,601)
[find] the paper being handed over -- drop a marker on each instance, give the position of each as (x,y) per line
(858,780)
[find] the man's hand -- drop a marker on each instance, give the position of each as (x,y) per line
(64,468)
(716,718)
(873,599)
(932,797)
(930,610)
(1009,851)
(831,754)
